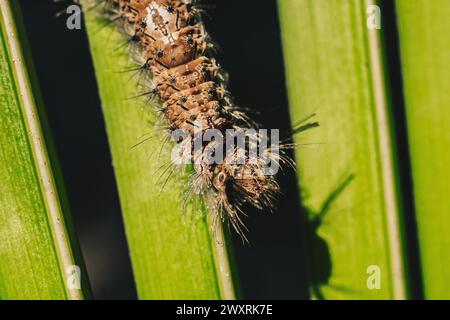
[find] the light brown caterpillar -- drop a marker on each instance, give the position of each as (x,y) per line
(170,41)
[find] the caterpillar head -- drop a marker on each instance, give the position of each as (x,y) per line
(238,184)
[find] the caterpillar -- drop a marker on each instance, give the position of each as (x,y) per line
(170,43)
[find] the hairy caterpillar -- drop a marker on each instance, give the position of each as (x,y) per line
(170,43)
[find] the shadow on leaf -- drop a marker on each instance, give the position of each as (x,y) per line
(320,266)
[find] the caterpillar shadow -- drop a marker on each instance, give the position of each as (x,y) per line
(320,267)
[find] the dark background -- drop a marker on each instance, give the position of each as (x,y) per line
(272,265)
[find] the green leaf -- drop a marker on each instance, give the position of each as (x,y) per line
(424,27)
(347,167)
(173,253)
(37,256)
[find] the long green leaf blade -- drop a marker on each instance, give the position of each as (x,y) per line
(36,257)
(173,254)
(334,66)
(424,28)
